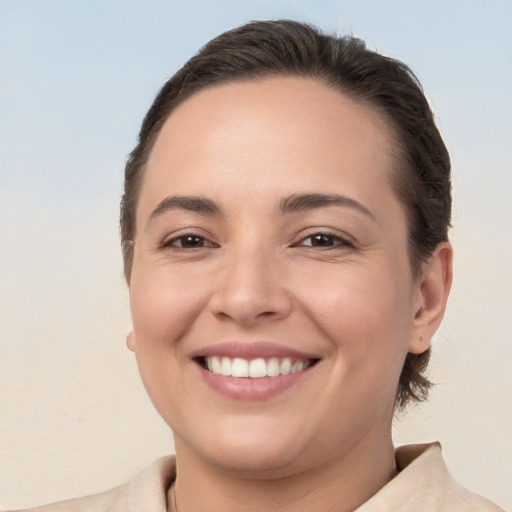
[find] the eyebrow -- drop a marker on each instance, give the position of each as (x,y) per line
(291,204)
(304,202)
(191,203)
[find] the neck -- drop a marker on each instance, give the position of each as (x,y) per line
(341,486)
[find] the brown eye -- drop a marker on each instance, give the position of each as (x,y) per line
(322,240)
(325,241)
(188,241)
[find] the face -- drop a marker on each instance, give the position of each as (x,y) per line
(271,293)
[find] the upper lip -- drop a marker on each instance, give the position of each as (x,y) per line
(251,350)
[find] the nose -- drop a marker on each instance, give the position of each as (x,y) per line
(251,290)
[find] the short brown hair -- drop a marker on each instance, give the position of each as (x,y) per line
(287,48)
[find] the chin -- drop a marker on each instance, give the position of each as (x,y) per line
(256,462)
(251,446)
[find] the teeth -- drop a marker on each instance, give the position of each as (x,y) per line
(215,365)
(273,367)
(225,366)
(239,368)
(297,367)
(255,368)
(285,367)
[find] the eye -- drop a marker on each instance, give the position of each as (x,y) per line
(325,241)
(188,241)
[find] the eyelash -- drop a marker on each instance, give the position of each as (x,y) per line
(337,241)
(169,244)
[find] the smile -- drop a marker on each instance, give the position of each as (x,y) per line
(253,371)
(255,368)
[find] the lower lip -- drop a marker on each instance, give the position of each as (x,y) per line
(245,388)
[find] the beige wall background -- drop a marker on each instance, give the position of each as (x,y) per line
(76,78)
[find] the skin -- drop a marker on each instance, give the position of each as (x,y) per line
(325,443)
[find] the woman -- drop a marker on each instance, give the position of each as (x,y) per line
(284,229)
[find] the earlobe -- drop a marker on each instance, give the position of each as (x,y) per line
(433,287)
(130,341)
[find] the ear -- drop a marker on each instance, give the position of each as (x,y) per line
(130,341)
(433,287)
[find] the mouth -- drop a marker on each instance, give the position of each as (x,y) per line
(256,368)
(252,371)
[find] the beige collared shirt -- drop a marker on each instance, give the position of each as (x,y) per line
(423,484)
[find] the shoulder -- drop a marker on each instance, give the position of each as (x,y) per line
(146,491)
(425,484)
(437,489)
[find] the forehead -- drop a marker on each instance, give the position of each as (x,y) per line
(289,131)
(291,100)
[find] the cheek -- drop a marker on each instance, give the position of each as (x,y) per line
(364,314)
(162,304)
(162,309)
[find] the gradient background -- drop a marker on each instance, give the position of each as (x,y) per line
(76,78)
